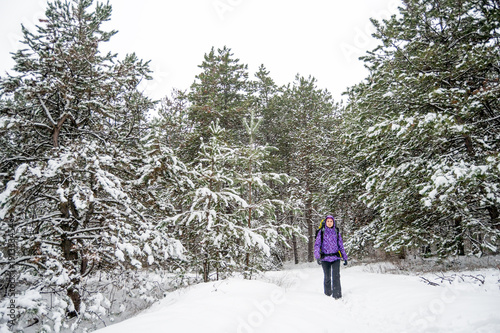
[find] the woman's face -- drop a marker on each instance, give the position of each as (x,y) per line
(329,223)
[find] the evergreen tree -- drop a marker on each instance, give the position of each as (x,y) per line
(262,90)
(173,122)
(227,218)
(257,184)
(73,124)
(299,120)
(219,92)
(209,225)
(425,126)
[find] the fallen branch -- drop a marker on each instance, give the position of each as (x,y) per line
(448,279)
(482,279)
(430,282)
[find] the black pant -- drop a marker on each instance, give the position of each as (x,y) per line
(332,278)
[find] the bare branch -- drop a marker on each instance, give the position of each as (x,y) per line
(430,282)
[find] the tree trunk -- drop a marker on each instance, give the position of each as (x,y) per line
(247,259)
(75,297)
(70,255)
(310,244)
(295,251)
(57,130)
(294,244)
(494,215)
(467,138)
(206,269)
(459,240)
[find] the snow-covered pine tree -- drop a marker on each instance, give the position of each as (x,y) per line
(257,184)
(208,223)
(72,121)
(425,125)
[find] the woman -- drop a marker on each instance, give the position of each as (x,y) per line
(329,248)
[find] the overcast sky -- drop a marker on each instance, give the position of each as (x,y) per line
(322,38)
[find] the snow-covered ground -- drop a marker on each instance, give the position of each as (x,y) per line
(292,300)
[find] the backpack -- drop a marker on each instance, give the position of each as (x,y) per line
(320,230)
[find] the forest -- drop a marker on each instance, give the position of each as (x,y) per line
(233,174)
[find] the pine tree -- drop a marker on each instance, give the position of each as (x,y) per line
(209,225)
(257,185)
(219,92)
(262,90)
(173,122)
(73,123)
(300,119)
(425,126)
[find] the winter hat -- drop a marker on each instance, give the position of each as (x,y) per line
(330,217)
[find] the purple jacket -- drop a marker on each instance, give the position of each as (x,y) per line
(329,245)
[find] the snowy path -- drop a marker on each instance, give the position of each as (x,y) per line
(292,301)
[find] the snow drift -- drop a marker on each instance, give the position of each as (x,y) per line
(293,301)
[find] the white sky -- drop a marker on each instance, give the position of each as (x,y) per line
(322,38)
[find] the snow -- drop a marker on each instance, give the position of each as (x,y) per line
(61,193)
(292,300)
(11,187)
(28,299)
(127,247)
(438,91)
(440,181)
(147,249)
(36,171)
(252,238)
(136,263)
(430,117)
(111,185)
(120,255)
(80,204)
(53,166)
(20,171)
(61,279)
